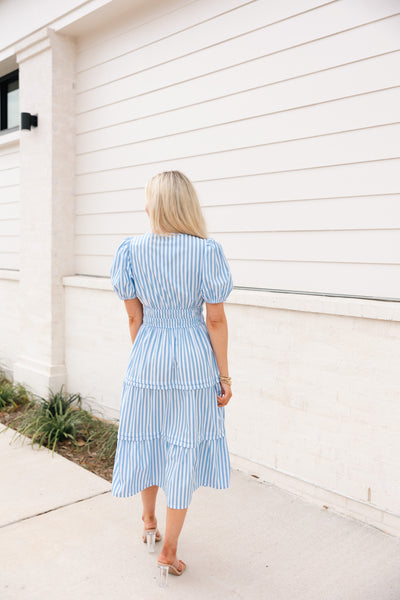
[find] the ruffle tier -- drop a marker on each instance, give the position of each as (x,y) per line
(178,470)
(181,417)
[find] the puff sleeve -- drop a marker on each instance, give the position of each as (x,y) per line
(217,281)
(121,273)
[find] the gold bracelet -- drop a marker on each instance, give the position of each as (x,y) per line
(225,379)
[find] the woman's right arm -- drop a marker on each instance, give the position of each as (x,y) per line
(217,327)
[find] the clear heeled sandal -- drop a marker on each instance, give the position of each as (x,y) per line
(150,538)
(166,568)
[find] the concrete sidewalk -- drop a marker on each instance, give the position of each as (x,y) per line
(64,536)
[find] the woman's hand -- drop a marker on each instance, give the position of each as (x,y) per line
(226,394)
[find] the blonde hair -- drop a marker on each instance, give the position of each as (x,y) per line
(173,205)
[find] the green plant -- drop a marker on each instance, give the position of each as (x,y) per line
(3,376)
(11,394)
(47,421)
(7,394)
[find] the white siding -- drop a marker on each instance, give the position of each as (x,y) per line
(285,115)
(9,206)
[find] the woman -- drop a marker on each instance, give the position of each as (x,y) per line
(172,419)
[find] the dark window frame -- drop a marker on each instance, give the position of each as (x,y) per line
(4,81)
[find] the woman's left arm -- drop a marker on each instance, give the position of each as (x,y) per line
(134,308)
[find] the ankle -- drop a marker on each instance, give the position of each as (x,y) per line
(167,558)
(149,518)
(168,552)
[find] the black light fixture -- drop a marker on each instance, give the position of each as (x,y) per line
(28,120)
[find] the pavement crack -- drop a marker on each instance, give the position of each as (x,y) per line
(53,509)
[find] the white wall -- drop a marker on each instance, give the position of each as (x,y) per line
(9,204)
(97,346)
(285,115)
(9,320)
(20,18)
(321,407)
(9,248)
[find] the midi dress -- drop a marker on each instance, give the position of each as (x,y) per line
(171,430)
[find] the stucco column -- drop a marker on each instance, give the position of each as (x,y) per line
(46,78)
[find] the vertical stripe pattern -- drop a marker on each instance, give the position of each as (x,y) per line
(172,277)
(171,431)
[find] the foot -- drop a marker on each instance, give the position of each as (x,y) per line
(169,559)
(150,524)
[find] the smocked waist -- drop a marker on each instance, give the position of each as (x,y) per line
(172,317)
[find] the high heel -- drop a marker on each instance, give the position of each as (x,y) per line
(166,568)
(150,537)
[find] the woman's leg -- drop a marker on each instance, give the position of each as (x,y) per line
(175,519)
(149,497)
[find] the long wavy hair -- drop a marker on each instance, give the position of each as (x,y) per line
(173,205)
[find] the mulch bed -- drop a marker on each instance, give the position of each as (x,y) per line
(81,454)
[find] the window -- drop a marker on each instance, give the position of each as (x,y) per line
(9,101)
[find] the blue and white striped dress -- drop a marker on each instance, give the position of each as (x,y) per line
(171,430)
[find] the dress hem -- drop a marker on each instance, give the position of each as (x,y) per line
(179,471)
(157,482)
